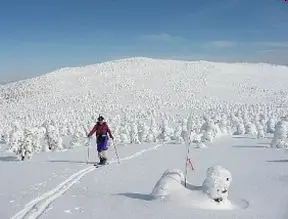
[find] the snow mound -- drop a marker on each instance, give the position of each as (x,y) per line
(219,172)
(217,183)
(170,181)
(215,188)
(213,194)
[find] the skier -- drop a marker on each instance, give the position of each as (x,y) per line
(101,128)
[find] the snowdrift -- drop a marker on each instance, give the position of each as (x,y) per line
(213,194)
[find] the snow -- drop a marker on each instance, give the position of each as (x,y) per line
(170,182)
(125,190)
(234,116)
(217,183)
(219,172)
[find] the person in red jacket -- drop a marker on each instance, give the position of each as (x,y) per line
(101,130)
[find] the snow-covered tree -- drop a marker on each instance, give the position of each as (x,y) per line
(134,134)
(152,132)
(143,130)
(260,130)
(208,130)
(5,137)
(177,135)
(250,129)
(280,136)
(240,129)
(78,136)
(37,134)
(26,149)
(16,140)
(185,131)
(190,123)
(166,131)
(124,133)
(271,125)
(69,130)
(53,138)
(223,125)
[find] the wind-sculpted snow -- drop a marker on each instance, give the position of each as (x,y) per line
(144,100)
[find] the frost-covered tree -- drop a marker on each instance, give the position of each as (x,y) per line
(37,134)
(16,138)
(124,133)
(240,129)
(153,131)
(53,138)
(271,125)
(5,137)
(208,130)
(26,149)
(134,133)
(262,119)
(116,133)
(166,131)
(177,135)
(69,130)
(143,131)
(223,125)
(234,123)
(185,131)
(64,128)
(260,130)
(280,136)
(78,136)
(190,122)
(250,129)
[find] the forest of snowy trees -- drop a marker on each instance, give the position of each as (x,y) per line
(138,127)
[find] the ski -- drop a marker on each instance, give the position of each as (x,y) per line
(97,165)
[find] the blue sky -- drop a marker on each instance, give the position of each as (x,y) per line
(39,36)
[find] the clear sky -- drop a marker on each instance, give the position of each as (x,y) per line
(38,36)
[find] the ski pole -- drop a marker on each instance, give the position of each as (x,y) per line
(116,152)
(88,146)
(88,151)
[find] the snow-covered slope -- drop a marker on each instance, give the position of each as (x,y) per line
(141,82)
(62,185)
(159,95)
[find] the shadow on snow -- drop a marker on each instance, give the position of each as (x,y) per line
(278,161)
(9,159)
(248,146)
(148,197)
(139,196)
(70,161)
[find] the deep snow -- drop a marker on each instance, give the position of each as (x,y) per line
(258,190)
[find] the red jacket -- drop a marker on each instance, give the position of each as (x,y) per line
(101,129)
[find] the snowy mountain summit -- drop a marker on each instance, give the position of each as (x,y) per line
(141,83)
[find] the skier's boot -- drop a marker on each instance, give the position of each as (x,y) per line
(101,161)
(104,160)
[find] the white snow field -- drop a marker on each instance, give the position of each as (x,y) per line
(233,116)
(42,186)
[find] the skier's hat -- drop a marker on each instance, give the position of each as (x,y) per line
(100,118)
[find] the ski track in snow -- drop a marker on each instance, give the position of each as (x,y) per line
(36,207)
